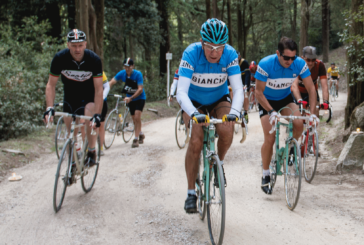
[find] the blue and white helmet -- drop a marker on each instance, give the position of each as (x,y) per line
(214,31)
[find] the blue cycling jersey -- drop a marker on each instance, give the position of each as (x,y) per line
(208,80)
(136,78)
(279,79)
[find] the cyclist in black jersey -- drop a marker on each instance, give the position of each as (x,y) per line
(81,74)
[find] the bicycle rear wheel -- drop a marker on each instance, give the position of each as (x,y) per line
(200,180)
(216,206)
(61,181)
(292,176)
(310,156)
(180,130)
(60,136)
(89,174)
(111,126)
(128,127)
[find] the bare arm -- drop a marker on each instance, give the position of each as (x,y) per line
(51,90)
(295,90)
(98,100)
(325,89)
(259,89)
(112,82)
(310,87)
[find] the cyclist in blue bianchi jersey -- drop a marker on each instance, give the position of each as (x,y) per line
(203,73)
(274,77)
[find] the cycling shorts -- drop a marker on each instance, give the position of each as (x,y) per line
(104,111)
(136,105)
(334,77)
(277,104)
(208,108)
(75,106)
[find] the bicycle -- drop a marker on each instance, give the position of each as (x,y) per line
(252,99)
(291,162)
(210,181)
(116,123)
(73,164)
(333,91)
(61,133)
(181,131)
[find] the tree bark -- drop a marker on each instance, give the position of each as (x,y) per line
(100,17)
(92,40)
(215,9)
(71,14)
(305,18)
(164,30)
(325,30)
(84,17)
(78,14)
(294,21)
(53,15)
(180,28)
(222,10)
(208,9)
(240,27)
(131,46)
(229,22)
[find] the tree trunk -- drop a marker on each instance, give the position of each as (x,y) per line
(305,18)
(240,27)
(164,30)
(222,10)
(78,14)
(99,5)
(356,90)
(215,9)
(229,22)
(281,20)
(325,30)
(53,15)
(92,41)
(125,49)
(71,14)
(208,9)
(131,46)
(84,17)
(294,21)
(180,28)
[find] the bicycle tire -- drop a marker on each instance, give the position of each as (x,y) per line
(293,194)
(90,173)
(60,136)
(309,170)
(273,168)
(128,127)
(330,115)
(216,233)
(251,102)
(200,180)
(111,127)
(236,128)
(180,131)
(59,191)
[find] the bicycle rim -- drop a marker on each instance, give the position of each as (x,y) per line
(310,157)
(128,127)
(111,127)
(60,136)
(200,180)
(292,177)
(61,180)
(216,206)
(180,131)
(89,174)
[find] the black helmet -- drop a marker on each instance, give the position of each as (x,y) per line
(332,63)
(76,36)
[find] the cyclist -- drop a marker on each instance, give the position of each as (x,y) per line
(106,87)
(203,74)
(174,85)
(81,73)
(318,71)
(252,70)
(333,72)
(274,77)
(245,77)
(136,97)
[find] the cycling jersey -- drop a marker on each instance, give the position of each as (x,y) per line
(175,82)
(244,70)
(252,77)
(77,77)
(317,71)
(131,83)
(104,77)
(279,79)
(333,72)
(106,86)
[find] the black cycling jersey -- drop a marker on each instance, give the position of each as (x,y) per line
(77,77)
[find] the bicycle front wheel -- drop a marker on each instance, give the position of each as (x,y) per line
(310,156)
(60,136)
(200,181)
(61,181)
(180,130)
(216,202)
(89,174)
(292,175)
(128,127)
(111,126)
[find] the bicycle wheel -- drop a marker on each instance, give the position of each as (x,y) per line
(200,180)
(292,176)
(89,174)
(310,157)
(111,125)
(216,205)
(251,101)
(236,128)
(128,127)
(61,181)
(60,136)
(273,168)
(180,131)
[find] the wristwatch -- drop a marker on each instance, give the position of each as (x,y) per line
(270,112)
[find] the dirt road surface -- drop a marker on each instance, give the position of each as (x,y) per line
(139,196)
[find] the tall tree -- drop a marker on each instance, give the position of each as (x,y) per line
(240,26)
(294,21)
(208,9)
(215,9)
(71,14)
(164,45)
(325,30)
(305,19)
(222,10)
(100,22)
(229,22)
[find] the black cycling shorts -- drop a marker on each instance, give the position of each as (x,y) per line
(334,77)
(75,107)
(208,108)
(136,105)
(277,104)
(305,96)
(104,111)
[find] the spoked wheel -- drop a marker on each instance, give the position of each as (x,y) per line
(61,181)
(180,130)
(89,174)
(128,127)
(252,102)
(111,126)
(216,205)
(60,136)
(200,180)
(273,168)
(292,176)
(310,156)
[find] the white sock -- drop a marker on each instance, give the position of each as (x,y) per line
(266,172)
(135,138)
(141,133)
(222,163)
(191,192)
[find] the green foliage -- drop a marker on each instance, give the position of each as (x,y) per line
(25,56)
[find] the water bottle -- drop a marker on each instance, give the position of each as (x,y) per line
(121,118)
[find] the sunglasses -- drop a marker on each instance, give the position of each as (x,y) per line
(288,57)
(310,60)
(211,48)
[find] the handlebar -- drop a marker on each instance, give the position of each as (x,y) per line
(65,114)
(291,117)
(115,95)
(58,104)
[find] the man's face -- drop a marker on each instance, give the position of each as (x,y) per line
(213,52)
(287,57)
(129,69)
(310,62)
(332,67)
(77,50)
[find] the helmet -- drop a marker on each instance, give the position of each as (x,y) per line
(76,36)
(214,31)
(309,52)
(332,63)
(253,67)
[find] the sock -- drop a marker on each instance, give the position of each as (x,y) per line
(135,138)
(141,133)
(91,149)
(222,163)
(266,172)
(191,192)
(102,148)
